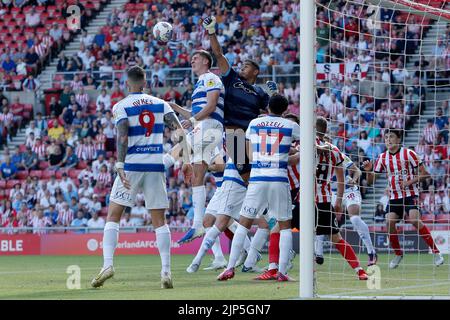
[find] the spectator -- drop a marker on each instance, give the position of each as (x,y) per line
(430,132)
(56,131)
(33,18)
(31,84)
(79,222)
(103,101)
(379,214)
(96,222)
(8,170)
(30,160)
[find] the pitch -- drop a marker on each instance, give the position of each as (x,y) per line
(137,277)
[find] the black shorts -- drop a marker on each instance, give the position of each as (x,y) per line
(400,206)
(296,209)
(325,219)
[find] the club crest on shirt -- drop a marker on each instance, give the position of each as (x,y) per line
(210,83)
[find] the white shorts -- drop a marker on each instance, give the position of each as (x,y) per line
(153,185)
(275,196)
(350,197)
(227,200)
(204,138)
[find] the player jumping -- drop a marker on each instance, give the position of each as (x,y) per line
(206,118)
(269,140)
(140,122)
(404,170)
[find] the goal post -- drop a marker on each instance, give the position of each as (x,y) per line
(367,66)
(307,101)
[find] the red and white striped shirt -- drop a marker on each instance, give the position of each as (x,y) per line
(6,118)
(104,177)
(399,167)
(40,150)
(100,141)
(82,99)
(76,85)
(86,151)
(430,133)
(40,49)
(65,217)
(47,41)
(326,163)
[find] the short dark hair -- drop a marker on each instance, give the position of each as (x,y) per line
(205,54)
(253,63)
(321,126)
(136,74)
(293,117)
(397,132)
(278,104)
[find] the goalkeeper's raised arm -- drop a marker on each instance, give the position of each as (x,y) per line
(210,26)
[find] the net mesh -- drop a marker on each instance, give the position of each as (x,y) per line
(386,65)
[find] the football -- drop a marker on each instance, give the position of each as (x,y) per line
(162,31)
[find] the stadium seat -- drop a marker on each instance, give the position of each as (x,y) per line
(73,174)
(443,218)
(47,174)
(36,173)
(11,183)
(82,165)
(43,165)
(2,184)
(428,218)
(104,211)
(22,175)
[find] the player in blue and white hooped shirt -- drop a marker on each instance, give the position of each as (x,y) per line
(206,119)
(269,141)
(140,120)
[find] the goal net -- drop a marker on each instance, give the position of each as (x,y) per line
(385,65)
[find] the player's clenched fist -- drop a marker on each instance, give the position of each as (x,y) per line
(210,24)
(367,165)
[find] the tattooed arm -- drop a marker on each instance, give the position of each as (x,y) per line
(122,147)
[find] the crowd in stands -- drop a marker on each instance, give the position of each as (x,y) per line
(63,173)
(31,33)
(388,96)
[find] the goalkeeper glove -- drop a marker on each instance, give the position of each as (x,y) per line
(273,87)
(210,24)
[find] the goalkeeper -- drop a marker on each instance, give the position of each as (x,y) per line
(243,100)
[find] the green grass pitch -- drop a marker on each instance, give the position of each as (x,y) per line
(137,277)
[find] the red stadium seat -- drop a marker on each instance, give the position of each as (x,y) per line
(73,174)
(36,173)
(43,165)
(443,218)
(428,218)
(47,174)
(82,165)
(22,175)
(11,183)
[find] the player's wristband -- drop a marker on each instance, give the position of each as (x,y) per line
(193,121)
(119,165)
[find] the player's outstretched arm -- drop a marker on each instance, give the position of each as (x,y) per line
(183,111)
(210,25)
(356,174)
(122,147)
(368,168)
(171,120)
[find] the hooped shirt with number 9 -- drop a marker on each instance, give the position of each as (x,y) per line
(145,114)
(271,138)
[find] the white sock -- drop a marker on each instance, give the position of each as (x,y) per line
(363,230)
(163,243)
(217,250)
(110,239)
(273,266)
(318,245)
(168,160)
(232,227)
(198,201)
(236,246)
(257,243)
(285,248)
(208,241)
